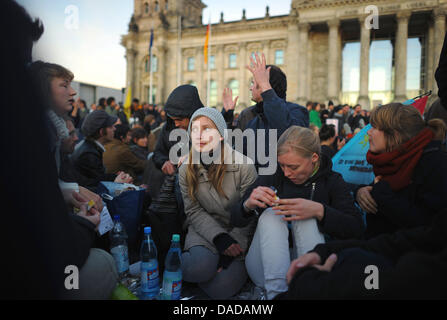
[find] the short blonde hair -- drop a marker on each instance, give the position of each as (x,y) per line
(400,123)
(302,141)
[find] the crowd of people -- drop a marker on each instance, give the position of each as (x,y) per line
(301,232)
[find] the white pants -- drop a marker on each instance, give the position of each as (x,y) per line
(268,258)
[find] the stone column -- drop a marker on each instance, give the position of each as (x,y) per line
(243,85)
(266,51)
(220,64)
(429,64)
(302,62)
(161,75)
(130,74)
(439,33)
(291,61)
(400,56)
(138,83)
(200,74)
(364,64)
(334,56)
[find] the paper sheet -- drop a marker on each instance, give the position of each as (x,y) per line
(106,223)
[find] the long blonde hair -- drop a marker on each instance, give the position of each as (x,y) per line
(216,171)
(216,174)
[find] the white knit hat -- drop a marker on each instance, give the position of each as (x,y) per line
(212,114)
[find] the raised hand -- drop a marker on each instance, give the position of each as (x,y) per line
(227,98)
(261,75)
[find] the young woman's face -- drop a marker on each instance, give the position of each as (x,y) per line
(142,142)
(297,168)
(62,94)
(377,142)
(204,135)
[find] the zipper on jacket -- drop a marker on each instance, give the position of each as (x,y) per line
(312,191)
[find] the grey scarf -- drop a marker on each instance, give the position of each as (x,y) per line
(62,133)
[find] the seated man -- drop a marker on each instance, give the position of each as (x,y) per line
(98,128)
(119,157)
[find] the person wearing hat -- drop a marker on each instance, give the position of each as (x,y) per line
(181,104)
(212,179)
(98,129)
(272,111)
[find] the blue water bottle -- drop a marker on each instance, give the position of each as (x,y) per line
(172,276)
(150,287)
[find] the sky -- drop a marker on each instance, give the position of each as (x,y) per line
(85,35)
(90,45)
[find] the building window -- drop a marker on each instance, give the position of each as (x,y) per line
(234,86)
(156,6)
(279,57)
(213,93)
(146,8)
(232,61)
(191,64)
(212,62)
(154,94)
(154,64)
(166,5)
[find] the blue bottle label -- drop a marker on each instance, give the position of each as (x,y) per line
(172,289)
(149,277)
(121,256)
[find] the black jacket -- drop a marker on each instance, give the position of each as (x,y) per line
(181,103)
(441,74)
(272,112)
(39,238)
(418,259)
(415,204)
(87,160)
(342,220)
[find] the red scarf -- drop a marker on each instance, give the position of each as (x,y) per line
(396,167)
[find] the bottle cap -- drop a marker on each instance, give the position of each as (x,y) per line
(176,237)
(147,230)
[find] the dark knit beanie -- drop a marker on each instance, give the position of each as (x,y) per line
(278,81)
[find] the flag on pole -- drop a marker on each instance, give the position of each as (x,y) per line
(128,103)
(151,41)
(151,100)
(205,48)
(419,104)
(351,162)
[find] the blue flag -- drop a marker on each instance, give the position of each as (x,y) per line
(151,41)
(351,162)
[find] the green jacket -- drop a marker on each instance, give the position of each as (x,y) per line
(314,117)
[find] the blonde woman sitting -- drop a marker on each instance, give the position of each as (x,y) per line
(316,201)
(214,178)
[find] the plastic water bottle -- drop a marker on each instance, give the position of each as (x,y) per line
(118,248)
(150,286)
(172,276)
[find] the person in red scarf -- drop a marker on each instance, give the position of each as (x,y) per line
(410,168)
